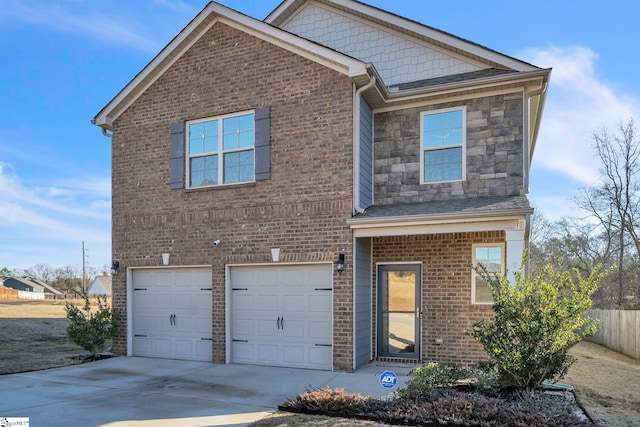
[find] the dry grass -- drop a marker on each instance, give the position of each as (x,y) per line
(33,336)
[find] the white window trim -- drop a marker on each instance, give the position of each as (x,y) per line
(220,153)
(462,108)
(474,262)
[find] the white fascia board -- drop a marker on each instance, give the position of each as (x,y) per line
(188,37)
(429,224)
(437,227)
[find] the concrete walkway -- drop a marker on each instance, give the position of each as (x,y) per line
(132,391)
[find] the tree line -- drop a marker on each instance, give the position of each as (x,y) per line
(606,229)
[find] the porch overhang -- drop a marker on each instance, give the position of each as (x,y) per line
(492,214)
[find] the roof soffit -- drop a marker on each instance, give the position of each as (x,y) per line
(438,38)
(207,18)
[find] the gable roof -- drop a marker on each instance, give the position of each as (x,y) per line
(509,75)
(22,284)
(47,287)
(209,16)
(288,8)
(102,285)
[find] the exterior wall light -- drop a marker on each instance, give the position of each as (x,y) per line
(115,265)
(340,263)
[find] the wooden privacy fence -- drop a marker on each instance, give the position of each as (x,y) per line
(618,329)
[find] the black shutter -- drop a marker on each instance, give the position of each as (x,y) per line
(177,155)
(263,147)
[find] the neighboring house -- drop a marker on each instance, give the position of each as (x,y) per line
(322,181)
(23,284)
(101,286)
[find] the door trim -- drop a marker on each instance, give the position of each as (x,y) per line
(378,311)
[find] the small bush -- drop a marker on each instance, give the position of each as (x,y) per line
(431,375)
(537,320)
(91,329)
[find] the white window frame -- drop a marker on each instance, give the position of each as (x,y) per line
(462,108)
(474,274)
(220,151)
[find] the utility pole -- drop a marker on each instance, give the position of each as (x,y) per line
(84,271)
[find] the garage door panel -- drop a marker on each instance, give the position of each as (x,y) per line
(294,303)
(267,328)
(320,303)
(320,277)
(285,300)
(163,347)
(186,302)
(320,331)
(243,327)
(142,300)
(243,352)
(242,301)
(173,308)
(266,302)
(163,301)
(293,329)
(267,353)
(204,327)
(320,356)
(294,355)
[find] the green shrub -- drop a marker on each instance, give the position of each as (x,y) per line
(428,376)
(537,320)
(91,329)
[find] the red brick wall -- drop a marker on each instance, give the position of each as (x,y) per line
(303,207)
(446,289)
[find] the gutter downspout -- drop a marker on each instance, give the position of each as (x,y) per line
(527,163)
(104,131)
(527,134)
(357,93)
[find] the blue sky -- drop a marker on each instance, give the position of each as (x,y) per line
(63,60)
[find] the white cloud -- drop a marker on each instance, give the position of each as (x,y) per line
(106,27)
(44,217)
(579,102)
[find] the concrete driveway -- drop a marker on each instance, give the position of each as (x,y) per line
(133,391)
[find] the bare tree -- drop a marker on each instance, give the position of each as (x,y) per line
(43,272)
(615,201)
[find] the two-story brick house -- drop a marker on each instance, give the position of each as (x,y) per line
(312,189)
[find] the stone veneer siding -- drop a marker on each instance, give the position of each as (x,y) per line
(446,289)
(494,153)
(303,207)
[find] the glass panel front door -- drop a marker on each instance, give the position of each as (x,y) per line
(399,311)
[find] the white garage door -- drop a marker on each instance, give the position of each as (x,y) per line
(172,313)
(282,316)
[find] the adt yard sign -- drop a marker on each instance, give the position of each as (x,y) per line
(388,379)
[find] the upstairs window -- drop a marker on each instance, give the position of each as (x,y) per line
(221,150)
(491,257)
(443,139)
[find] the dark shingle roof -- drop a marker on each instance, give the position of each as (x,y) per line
(455,78)
(472,207)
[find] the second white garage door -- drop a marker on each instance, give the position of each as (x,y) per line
(282,316)
(171,312)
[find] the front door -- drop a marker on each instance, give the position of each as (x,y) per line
(399,310)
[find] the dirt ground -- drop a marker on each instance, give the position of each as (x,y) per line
(607,383)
